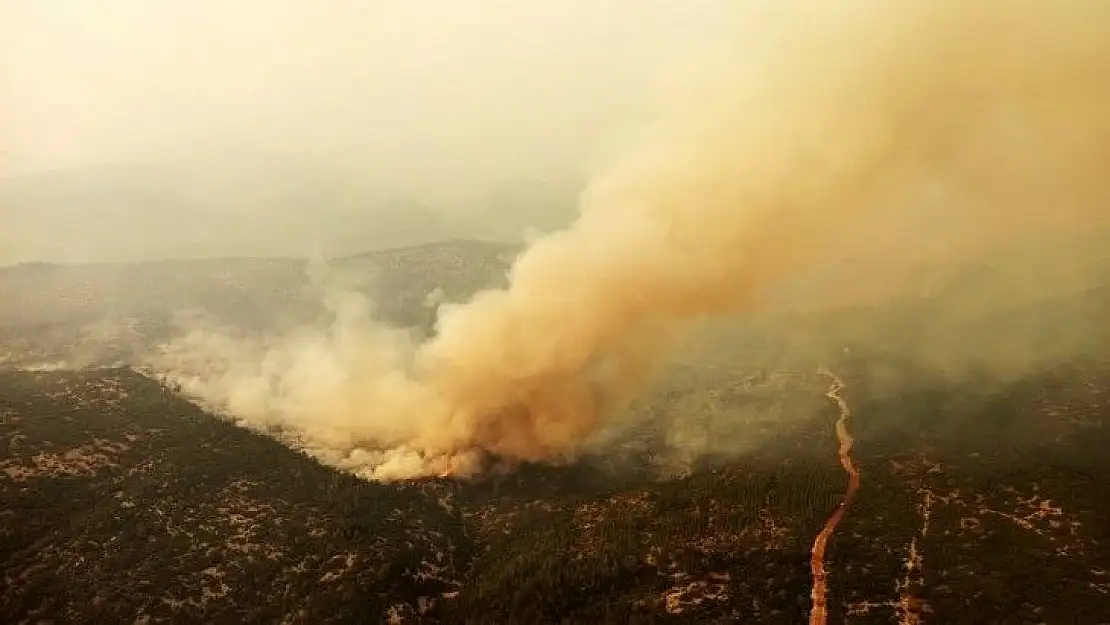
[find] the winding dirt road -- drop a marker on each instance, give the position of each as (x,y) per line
(818,613)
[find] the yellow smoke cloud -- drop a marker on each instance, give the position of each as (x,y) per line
(937,127)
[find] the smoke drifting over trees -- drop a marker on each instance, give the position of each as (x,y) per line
(890,134)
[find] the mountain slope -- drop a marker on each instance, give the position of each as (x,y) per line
(123,502)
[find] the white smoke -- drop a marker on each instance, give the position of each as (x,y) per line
(884,128)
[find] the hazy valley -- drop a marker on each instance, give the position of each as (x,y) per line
(982,498)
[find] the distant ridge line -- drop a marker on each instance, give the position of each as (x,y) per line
(51,264)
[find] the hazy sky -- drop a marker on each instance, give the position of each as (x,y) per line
(438,92)
(270,124)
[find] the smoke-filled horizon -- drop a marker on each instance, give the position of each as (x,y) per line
(135,130)
(866,135)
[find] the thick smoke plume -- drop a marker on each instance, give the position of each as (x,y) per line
(886,132)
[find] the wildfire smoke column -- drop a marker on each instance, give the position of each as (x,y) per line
(765,152)
(881,130)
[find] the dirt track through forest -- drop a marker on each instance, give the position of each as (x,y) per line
(818,595)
